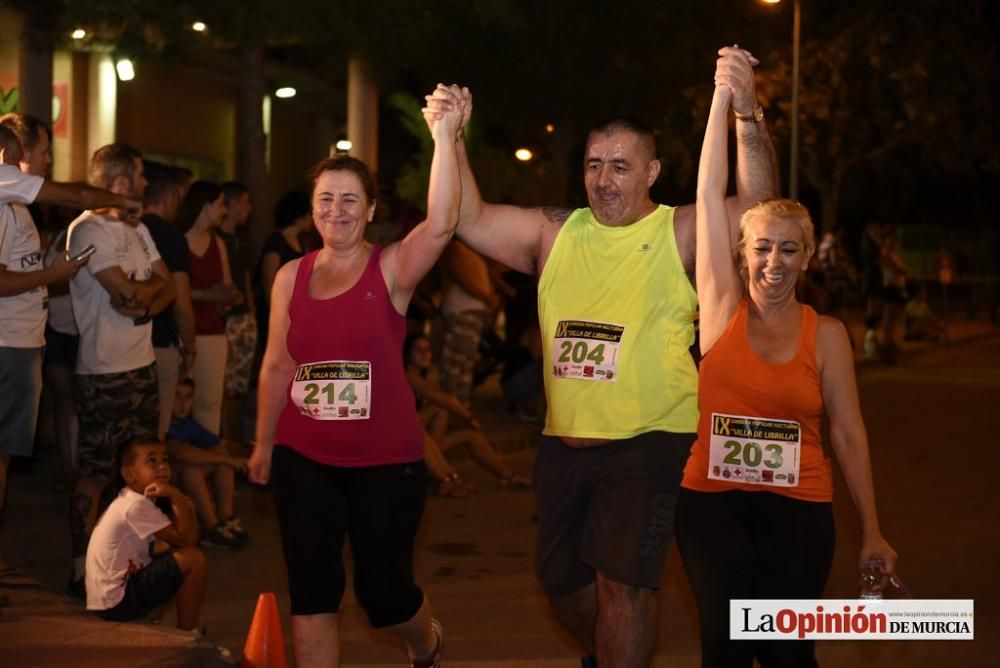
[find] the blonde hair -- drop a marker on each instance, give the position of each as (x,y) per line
(774,209)
(780,209)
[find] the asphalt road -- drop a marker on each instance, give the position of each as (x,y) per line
(936,461)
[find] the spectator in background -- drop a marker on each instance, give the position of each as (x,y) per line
(126,577)
(292,218)
(200,453)
(173,329)
(871,286)
(241,319)
(468,305)
(920,323)
(62,339)
(838,272)
(114,298)
(894,276)
(36,156)
(23,281)
(439,409)
(212,292)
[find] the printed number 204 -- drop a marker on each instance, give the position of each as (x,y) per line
(346,394)
(751,454)
(579,352)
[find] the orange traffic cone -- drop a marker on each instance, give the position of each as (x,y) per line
(265,647)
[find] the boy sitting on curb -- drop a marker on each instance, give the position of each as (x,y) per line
(124,580)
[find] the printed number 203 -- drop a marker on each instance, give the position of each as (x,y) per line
(751,454)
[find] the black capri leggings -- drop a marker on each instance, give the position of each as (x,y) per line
(752,545)
(379,507)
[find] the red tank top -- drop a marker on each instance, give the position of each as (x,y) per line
(206,271)
(349,403)
(759,423)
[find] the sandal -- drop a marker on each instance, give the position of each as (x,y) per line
(516,481)
(451,487)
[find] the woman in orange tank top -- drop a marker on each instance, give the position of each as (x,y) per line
(754,519)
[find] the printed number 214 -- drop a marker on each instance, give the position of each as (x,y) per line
(579,352)
(347,394)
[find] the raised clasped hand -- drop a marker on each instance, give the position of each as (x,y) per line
(451,105)
(734,69)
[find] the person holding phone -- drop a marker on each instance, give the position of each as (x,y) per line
(24,279)
(125,282)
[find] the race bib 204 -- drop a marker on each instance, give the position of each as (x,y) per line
(755,451)
(586,349)
(333,390)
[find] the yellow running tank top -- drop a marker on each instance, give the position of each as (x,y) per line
(617,318)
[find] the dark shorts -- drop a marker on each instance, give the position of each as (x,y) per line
(607,510)
(114,408)
(146,590)
(61,349)
(20,390)
(378,507)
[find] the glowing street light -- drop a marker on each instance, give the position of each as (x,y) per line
(550,128)
(199,26)
(79,33)
(523,154)
(344,145)
(285,92)
(125,69)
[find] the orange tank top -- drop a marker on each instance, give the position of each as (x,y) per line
(759,424)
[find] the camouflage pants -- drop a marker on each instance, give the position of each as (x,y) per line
(114,408)
(241,333)
(463,332)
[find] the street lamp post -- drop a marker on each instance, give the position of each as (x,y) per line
(793,160)
(793,163)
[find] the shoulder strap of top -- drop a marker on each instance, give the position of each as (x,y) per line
(810,324)
(301,289)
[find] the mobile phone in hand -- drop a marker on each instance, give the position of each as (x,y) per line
(84,254)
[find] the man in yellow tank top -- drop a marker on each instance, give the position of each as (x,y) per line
(617,309)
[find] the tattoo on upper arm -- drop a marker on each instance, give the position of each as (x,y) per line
(555,214)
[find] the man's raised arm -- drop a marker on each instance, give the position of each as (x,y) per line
(756,162)
(509,234)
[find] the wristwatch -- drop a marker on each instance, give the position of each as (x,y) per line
(755,116)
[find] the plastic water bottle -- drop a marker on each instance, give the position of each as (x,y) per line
(871,581)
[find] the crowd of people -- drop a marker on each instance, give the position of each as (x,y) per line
(170,324)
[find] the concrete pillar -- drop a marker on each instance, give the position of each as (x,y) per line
(35,72)
(251,142)
(102,102)
(362,113)
(79,113)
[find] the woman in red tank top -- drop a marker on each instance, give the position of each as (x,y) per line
(754,519)
(337,428)
(212,291)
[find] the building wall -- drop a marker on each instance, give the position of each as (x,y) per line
(182,117)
